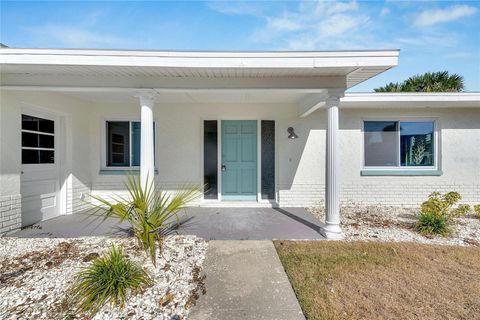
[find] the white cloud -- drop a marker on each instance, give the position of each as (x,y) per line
(385,11)
(250,8)
(282,24)
(332,7)
(320,24)
(74,36)
(340,24)
(435,16)
(80,35)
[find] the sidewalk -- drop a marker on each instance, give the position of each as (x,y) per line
(245,280)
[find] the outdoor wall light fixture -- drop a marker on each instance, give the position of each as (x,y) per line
(291,133)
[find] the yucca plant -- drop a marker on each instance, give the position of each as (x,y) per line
(107,279)
(430,223)
(476,208)
(149,212)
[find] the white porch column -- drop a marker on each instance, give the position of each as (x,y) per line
(332,228)
(147,166)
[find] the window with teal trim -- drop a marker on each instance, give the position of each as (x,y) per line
(123,143)
(402,144)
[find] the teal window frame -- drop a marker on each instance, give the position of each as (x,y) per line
(130,146)
(399,169)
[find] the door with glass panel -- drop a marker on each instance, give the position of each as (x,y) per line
(239,160)
(40,168)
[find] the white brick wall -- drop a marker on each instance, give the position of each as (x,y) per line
(387,194)
(10,213)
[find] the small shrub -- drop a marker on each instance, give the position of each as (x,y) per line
(108,279)
(431,223)
(440,205)
(437,213)
(461,211)
(476,208)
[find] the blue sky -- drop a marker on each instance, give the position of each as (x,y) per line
(432,35)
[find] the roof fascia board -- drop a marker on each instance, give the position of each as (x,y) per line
(200,54)
(200,60)
(411,96)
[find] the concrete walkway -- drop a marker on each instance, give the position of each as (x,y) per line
(208,223)
(245,280)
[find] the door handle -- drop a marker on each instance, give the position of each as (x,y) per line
(224,167)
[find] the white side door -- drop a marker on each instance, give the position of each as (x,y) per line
(40,176)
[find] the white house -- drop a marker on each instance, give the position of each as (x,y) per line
(258,128)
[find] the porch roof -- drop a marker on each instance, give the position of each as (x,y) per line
(170,69)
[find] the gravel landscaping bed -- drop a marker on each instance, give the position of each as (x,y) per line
(379,223)
(36,274)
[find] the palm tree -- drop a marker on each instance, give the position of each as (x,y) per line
(150,212)
(440,81)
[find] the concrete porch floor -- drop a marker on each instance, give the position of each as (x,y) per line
(208,223)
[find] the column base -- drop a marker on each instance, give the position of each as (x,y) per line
(332,232)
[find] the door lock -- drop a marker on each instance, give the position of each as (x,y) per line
(224,167)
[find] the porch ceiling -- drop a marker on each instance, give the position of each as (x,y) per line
(160,69)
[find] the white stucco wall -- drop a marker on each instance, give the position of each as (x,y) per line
(75,113)
(300,163)
(459,159)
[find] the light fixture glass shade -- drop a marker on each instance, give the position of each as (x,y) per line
(291,133)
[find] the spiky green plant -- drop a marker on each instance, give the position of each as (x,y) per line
(461,210)
(476,208)
(437,213)
(107,279)
(441,205)
(440,81)
(149,212)
(431,223)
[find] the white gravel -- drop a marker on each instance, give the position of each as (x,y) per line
(36,273)
(380,223)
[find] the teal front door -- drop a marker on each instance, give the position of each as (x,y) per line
(239,160)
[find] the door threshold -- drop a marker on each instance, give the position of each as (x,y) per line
(239,204)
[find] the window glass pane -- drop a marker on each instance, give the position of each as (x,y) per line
(118,141)
(37,124)
(380,143)
(136,128)
(268,159)
(47,156)
(30,156)
(35,140)
(210,159)
(416,143)
(46,126)
(29,139)
(136,142)
(29,123)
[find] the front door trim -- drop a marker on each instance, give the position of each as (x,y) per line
(219,159)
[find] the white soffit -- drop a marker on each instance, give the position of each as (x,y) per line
(356,66)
